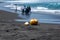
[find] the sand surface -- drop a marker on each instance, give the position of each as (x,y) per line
(4,15)
(12,31)
(18,31)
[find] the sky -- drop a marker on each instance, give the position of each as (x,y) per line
(33,0)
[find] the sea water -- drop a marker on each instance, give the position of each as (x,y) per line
(44,12)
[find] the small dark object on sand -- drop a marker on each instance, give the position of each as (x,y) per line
(7,30)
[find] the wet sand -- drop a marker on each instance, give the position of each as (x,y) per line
(18,31)
(8,15)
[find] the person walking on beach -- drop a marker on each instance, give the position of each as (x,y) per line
(28,9)
(23,9)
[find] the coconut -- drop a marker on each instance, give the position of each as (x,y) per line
(26,23)
(33,21)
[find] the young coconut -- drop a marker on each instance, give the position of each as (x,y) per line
(33,21)
(26,23)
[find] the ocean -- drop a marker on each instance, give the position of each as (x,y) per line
(44,12)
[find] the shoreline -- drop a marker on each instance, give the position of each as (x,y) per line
(7,12)
(14,30)
(17,30)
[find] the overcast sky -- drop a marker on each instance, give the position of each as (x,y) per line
(34,0)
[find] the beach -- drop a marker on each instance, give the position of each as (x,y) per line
(12,23)
(18,31)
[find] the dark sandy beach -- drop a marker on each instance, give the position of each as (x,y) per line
(18,31)
(12,31)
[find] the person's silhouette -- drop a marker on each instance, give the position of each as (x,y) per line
(23,9)
(28,9)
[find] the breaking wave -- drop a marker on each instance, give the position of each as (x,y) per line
(34,9)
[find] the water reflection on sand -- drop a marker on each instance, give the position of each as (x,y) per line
(43,17)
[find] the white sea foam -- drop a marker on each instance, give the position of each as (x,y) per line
(11,5)
(18,7)
(43,9)
(35,9)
